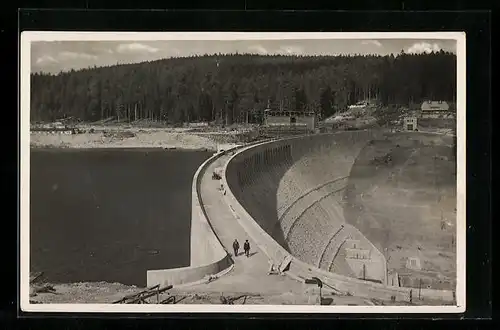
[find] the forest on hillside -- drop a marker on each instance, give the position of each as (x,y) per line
(237,88)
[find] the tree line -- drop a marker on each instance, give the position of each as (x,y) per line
(238,87)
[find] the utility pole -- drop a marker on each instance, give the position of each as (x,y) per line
(419,288)
(232,113)
(225,114)
(434,174)
(386,254)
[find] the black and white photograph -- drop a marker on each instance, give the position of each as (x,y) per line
(243,172)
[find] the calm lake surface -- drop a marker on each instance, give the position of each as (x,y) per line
(110,214)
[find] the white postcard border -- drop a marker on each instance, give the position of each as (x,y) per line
(25,68)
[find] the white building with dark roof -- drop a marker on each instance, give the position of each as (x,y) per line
(435,109)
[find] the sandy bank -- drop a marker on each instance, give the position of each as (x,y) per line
(136,138)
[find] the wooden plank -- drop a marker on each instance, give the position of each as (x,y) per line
(142,295)
(168,300)
(35,276)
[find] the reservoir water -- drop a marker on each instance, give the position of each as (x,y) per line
(110,214)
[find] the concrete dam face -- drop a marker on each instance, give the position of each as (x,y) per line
(309,193)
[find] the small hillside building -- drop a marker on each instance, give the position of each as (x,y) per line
(413,263)
(283,118)
(435,106)
(363,104)
(435,109)
(410,124)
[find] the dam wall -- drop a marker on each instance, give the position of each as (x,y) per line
(287,195)
(293,188)
(207,255)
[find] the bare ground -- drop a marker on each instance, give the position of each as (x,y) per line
(140,139)
(105,293)
(89,292)
(135,137)
(407,206)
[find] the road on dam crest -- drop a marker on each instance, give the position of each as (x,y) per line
(249,275)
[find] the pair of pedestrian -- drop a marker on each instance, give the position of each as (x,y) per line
(246,247)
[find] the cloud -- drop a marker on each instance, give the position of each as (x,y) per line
(45,59)
(259,49)
(371,42)
(65,55)
(136,48)
(424,47)
(289,50)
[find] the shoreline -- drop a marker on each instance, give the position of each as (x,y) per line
(124,148)
(133,139)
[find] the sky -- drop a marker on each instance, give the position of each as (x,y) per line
(57,56)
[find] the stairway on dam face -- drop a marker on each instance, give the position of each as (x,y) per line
(248,274)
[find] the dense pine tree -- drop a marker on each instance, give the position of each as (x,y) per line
(237,88)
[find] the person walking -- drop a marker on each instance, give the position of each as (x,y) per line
(236,247)
(246,247)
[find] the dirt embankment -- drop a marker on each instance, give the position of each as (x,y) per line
(92,293)
(120,138)
(402,196)
(106,293)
